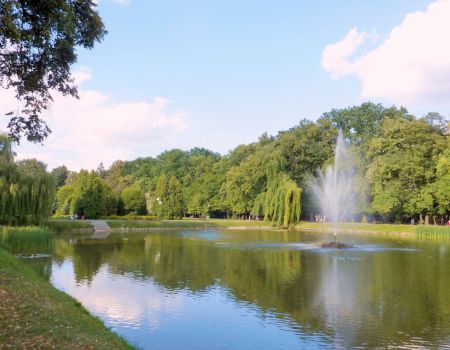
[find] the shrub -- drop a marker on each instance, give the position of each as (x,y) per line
(134,201)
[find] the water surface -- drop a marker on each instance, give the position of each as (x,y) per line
(259,289)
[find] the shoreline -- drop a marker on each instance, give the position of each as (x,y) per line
(123,226)
(38,315)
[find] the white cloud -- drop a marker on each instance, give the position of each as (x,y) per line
(335,56)
(412,66)
(94,129)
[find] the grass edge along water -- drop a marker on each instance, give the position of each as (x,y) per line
(26,239)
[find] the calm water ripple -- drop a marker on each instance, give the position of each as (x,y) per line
(264,290)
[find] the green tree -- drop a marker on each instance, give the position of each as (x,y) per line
(38,40)
(26,197)
(402,162)
(60,174)
(31,166)
(168,198)
(63,200)
(360,123)
(89,195)
(134,202)
(242,185)
(441,188)
(280,202)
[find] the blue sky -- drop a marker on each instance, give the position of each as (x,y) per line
(217,74)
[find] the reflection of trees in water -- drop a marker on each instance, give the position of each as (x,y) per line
(382,299)
(42,265)
(90,255)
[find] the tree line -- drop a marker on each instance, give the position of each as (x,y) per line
(403,174)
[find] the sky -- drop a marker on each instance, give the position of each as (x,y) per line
(216,74)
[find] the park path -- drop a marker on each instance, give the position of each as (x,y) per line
(100,226)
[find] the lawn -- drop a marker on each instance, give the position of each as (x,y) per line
(35,315)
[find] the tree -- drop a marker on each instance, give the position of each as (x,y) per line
(243,183)
(441,188)
(101,171)
(402,163)
(175,199)
(26,197)
(37,47)
(32,166)
(64,199)
(134,202)
(280,201)
(60,174)
(89,196)
(360,123)
(168,198)
(307,147)
(437,121)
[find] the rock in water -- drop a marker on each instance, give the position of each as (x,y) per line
(337,245)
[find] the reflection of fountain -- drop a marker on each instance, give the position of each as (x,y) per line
(334,189)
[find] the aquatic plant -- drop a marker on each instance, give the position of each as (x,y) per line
(26,240)
(425,231)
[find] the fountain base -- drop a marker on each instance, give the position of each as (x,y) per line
(337,245)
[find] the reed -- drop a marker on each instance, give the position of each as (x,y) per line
(65,226)
(435,232)
(26,240)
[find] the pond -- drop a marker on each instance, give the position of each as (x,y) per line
(258,289)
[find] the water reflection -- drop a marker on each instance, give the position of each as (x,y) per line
(233,290)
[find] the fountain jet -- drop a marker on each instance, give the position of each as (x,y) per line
(334,188)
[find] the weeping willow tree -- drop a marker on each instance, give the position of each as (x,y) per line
(25,199)
(280,203)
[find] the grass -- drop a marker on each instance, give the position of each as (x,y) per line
(433,232)
(26,240)
(375,228)
(35,315)
(141,224)
(186,224)
(64,225)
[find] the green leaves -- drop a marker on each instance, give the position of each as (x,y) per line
(134,202)
(38,40)
(402,167)
(168,201)
(26,196)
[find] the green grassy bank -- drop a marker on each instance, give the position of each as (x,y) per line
(187,224)
(64,225)
(58,226)
(419,230)
(35,315)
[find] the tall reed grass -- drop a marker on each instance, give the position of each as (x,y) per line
(26,240)
(436,232)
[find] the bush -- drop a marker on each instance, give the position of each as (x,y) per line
(134,201)
(131,217)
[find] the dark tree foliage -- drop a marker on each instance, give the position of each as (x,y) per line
(361,123)
(37,47)
(26,189)
(60,174)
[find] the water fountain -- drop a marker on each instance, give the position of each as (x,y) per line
(334,190)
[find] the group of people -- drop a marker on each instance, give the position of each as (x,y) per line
(77,216)
(320,218)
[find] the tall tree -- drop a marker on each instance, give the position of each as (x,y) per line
(26,190)
(134,202)
(60,174)
(402,162)
(89,195)
(37,47)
